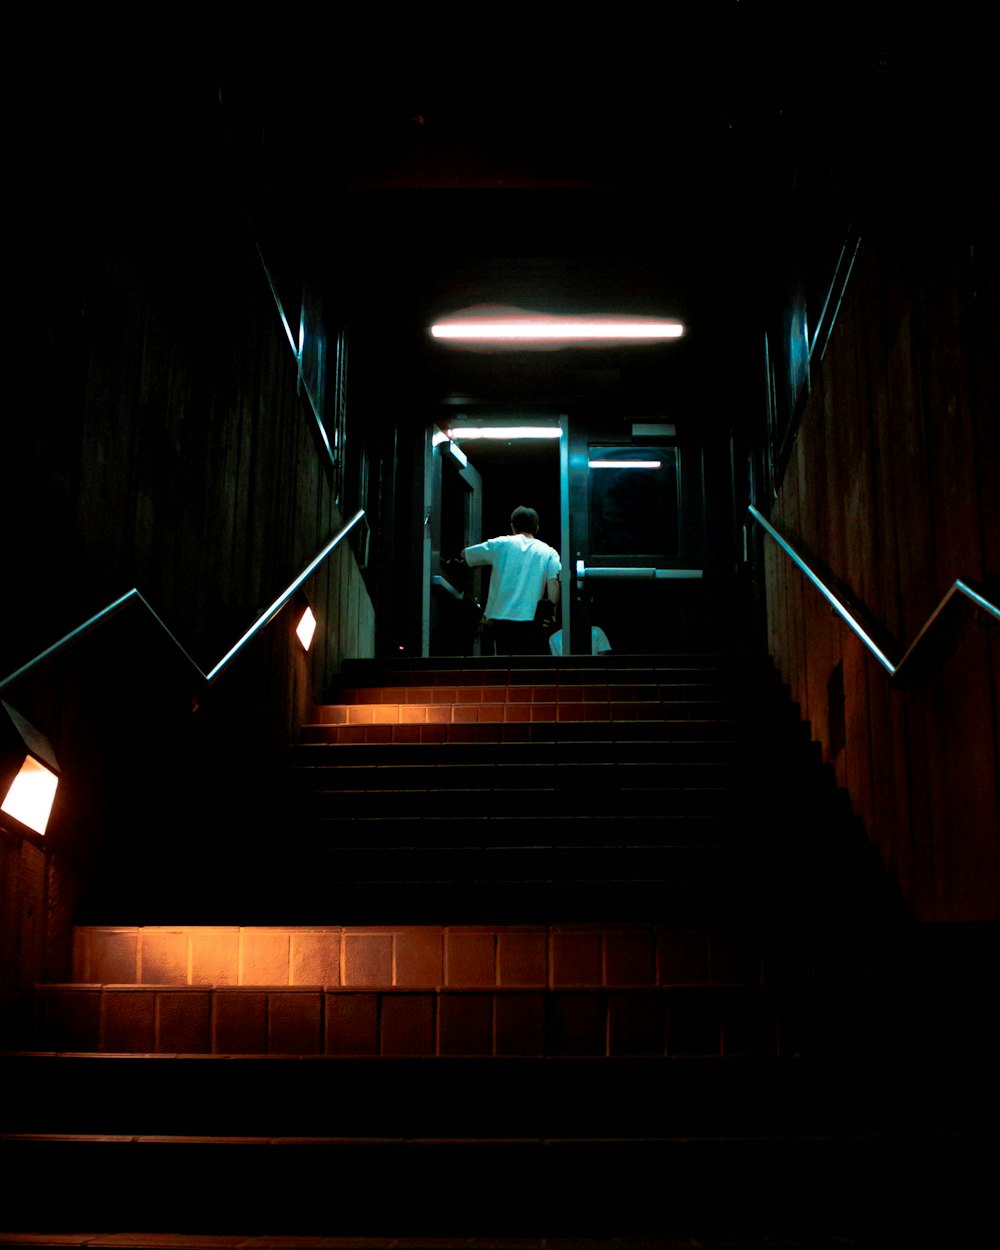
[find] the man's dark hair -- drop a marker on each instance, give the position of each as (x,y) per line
(524,520)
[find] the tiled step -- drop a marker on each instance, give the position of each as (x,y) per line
(281,1241)
(593,1148)
(634,732)
(708,1021)
(551,695)
(513,668)
(736,751)
(926,1189)
(541,710)
(324,1097)
(430,956)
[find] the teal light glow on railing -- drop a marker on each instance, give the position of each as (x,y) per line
(960,594)
(134,595)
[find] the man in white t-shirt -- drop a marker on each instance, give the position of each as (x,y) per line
(523,571)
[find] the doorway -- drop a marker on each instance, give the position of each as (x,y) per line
(514,461)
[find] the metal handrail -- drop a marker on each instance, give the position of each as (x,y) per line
(960,595)
(134,595)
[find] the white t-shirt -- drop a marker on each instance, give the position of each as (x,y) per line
(599,644)
(521,565)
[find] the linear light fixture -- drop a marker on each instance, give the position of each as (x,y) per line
(464,433)
(557,329)
(624,464)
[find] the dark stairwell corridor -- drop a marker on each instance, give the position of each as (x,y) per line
(692,945)
(636,969)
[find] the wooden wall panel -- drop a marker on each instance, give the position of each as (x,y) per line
(166,448)
(892,487)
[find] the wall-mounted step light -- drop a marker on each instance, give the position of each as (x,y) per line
(29,771)
(306,627)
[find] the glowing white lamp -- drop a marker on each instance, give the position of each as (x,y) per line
(29,772)
(306,627)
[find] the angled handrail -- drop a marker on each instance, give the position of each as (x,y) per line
(960,596)
(134,595)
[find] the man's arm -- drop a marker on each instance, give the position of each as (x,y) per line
(552,587)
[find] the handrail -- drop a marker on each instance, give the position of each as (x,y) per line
(916,657)
(264,619)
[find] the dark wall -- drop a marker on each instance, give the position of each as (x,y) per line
(891,486)
(155,439)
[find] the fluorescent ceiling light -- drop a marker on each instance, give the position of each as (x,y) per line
(464,433)
(557,329)
(624,464)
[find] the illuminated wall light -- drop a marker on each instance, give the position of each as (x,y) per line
(306,627)
(624,464)
(30,796)
(30,772)
(560,330)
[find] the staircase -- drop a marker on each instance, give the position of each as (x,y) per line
(587,949)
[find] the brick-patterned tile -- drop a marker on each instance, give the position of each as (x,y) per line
(264,957)
(470,958)
(576,957)
(515,712)
(787,959)
(412,714)
(295,1022)
(362,714)
(577,1024)
(805,1024)
(163,957)
(519,1024)
(367,959)
(184,1021)
(215,955)
(621,711)
(636,1023)
(749,1023)
(471,694)
(694,1023)
(734,958)
(630,957)
(239,1022)
(407,1024)
(408,733)
(378,733)
(129,1020)
(419,957)
(315,957)
(683,956)
(69,1018)
(522,957)
(352,1023)
(112,956)
(465,1024)
(434,733)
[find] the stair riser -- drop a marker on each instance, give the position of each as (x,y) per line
(919,1187)
(709,1021)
